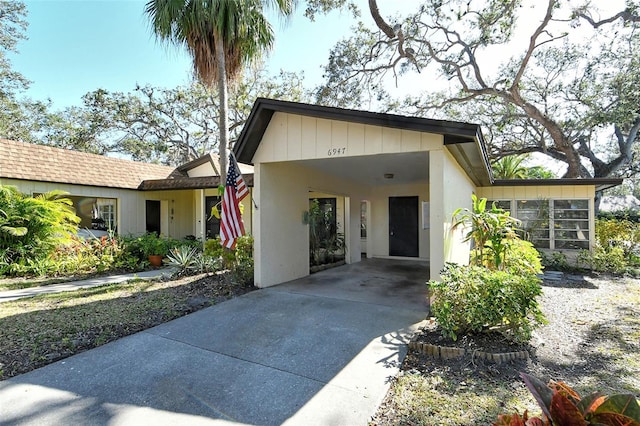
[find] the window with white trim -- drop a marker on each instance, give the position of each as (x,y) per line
(552,223)
(106,209)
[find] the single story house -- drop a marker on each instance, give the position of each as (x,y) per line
(126,196)
(391,182)
(398,178)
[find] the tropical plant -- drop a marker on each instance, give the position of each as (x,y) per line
(32,227)
(491,230)
(183,258)
(473,299)
(563,406)
(510,167)
(238,262)
(617,247)
(221,36)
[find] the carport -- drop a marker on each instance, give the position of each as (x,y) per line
(411,173)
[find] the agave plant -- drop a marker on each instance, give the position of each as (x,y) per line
(563,406)
(183,258)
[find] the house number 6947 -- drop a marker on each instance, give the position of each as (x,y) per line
(336,151)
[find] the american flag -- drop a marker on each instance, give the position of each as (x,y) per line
(231,226)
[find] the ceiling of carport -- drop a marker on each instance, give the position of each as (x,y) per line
(408,167)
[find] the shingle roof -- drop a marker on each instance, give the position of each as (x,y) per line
(19,160)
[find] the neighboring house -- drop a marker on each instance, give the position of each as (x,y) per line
(398,180)
(128,197)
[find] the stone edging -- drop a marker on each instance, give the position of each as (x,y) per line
(446,352)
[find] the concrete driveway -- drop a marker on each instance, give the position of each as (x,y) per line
(319,350)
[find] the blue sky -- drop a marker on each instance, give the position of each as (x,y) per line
(74,47)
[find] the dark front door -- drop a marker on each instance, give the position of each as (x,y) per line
(403,226)
(213,223)
(153,216)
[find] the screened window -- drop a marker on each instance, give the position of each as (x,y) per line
(571,224)
(534,215)
(551,224)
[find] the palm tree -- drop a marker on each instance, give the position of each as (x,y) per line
(510,167)
(221,37)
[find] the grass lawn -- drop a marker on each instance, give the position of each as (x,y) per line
(40,330)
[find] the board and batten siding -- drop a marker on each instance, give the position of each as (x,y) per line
(291,137)
(565,192)
(556,192)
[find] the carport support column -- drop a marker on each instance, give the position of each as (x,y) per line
(439,224)
(281,236)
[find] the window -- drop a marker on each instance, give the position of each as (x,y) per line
(571,224)
(363,219)
(107,212)
(551,224)
(534,215)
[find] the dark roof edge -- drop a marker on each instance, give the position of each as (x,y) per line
(263,110)
(599,183)
(200,182)
(195,163)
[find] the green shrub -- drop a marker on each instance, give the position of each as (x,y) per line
(474,299)
(239,261)
(603,260)
(31,228)
(617,247)
(214,248)
(555,260)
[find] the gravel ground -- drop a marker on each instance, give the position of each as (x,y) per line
(592,342)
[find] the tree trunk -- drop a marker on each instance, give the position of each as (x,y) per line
(380,22)
(560,140)
(224,109)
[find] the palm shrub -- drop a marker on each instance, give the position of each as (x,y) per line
(490,229)
(497,291)
(32,227)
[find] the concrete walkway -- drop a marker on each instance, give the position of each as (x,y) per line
(317,351)
(9,295)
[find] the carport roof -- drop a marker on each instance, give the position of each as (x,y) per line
(464,140)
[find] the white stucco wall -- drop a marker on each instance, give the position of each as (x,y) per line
(130,205)
(379,232)
(281,237)
(450,189)
(281,251)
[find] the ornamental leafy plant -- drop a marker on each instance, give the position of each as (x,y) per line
(563,406)
(498,291)
(490,229)
(32,227)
